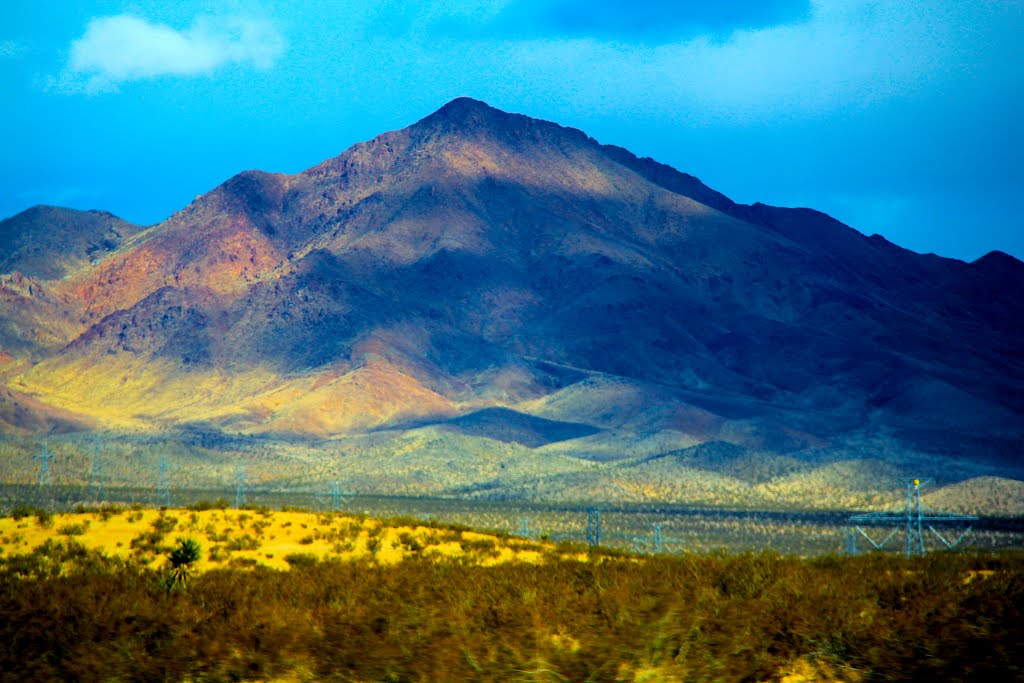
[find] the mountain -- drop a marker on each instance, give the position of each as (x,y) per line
(511,281)
(48,242)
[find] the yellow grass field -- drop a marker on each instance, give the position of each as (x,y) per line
(245,538)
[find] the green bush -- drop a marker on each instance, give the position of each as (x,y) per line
(164,523)
(301,559)
(204,505)
(73,529)
(243,542)
(21,511)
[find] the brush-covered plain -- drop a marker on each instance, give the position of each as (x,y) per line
(379,602)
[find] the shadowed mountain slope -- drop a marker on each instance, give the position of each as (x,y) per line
(49,242)
(504,277)
(502,424)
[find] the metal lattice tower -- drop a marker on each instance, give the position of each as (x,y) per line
(240,487)
(336,496)
(593,526)
(915,539)
(524,528)
(163,486)
(44,457)
(97,479)
(659,540)
(912,520)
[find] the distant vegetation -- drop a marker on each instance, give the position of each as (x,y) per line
(70,613)
(430,462)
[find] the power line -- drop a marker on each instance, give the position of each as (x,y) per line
(912,520)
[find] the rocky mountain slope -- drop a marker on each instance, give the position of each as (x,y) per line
(511,281)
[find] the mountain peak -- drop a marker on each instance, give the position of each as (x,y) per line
(465,112)
(464,105)
(1001,264)
(996,257)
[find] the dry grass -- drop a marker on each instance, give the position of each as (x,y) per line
(245,538)
(395,600)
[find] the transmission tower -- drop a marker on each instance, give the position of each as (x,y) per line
(240,487)
(659,540)
(337,496)
(912,520)
(593,526)
(915,539)
(524,528)
(44,457)
(97,481)
(163,484)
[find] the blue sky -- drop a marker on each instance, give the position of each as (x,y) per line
(901,118)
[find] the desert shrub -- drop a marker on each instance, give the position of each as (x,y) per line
(410,541)
(73,529)
(301,559)
(44,518)
(243,562)
(205,505)
(243,542)
(19,512)
(148,542)
(164,523)
(214,535)
(105,512)
(51,559)
(69,614)
(306,540)
(479,545)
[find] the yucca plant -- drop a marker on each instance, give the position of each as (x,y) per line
(183,559)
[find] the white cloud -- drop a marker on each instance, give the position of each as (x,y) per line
(9,48)
(848,55)
(123,48)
